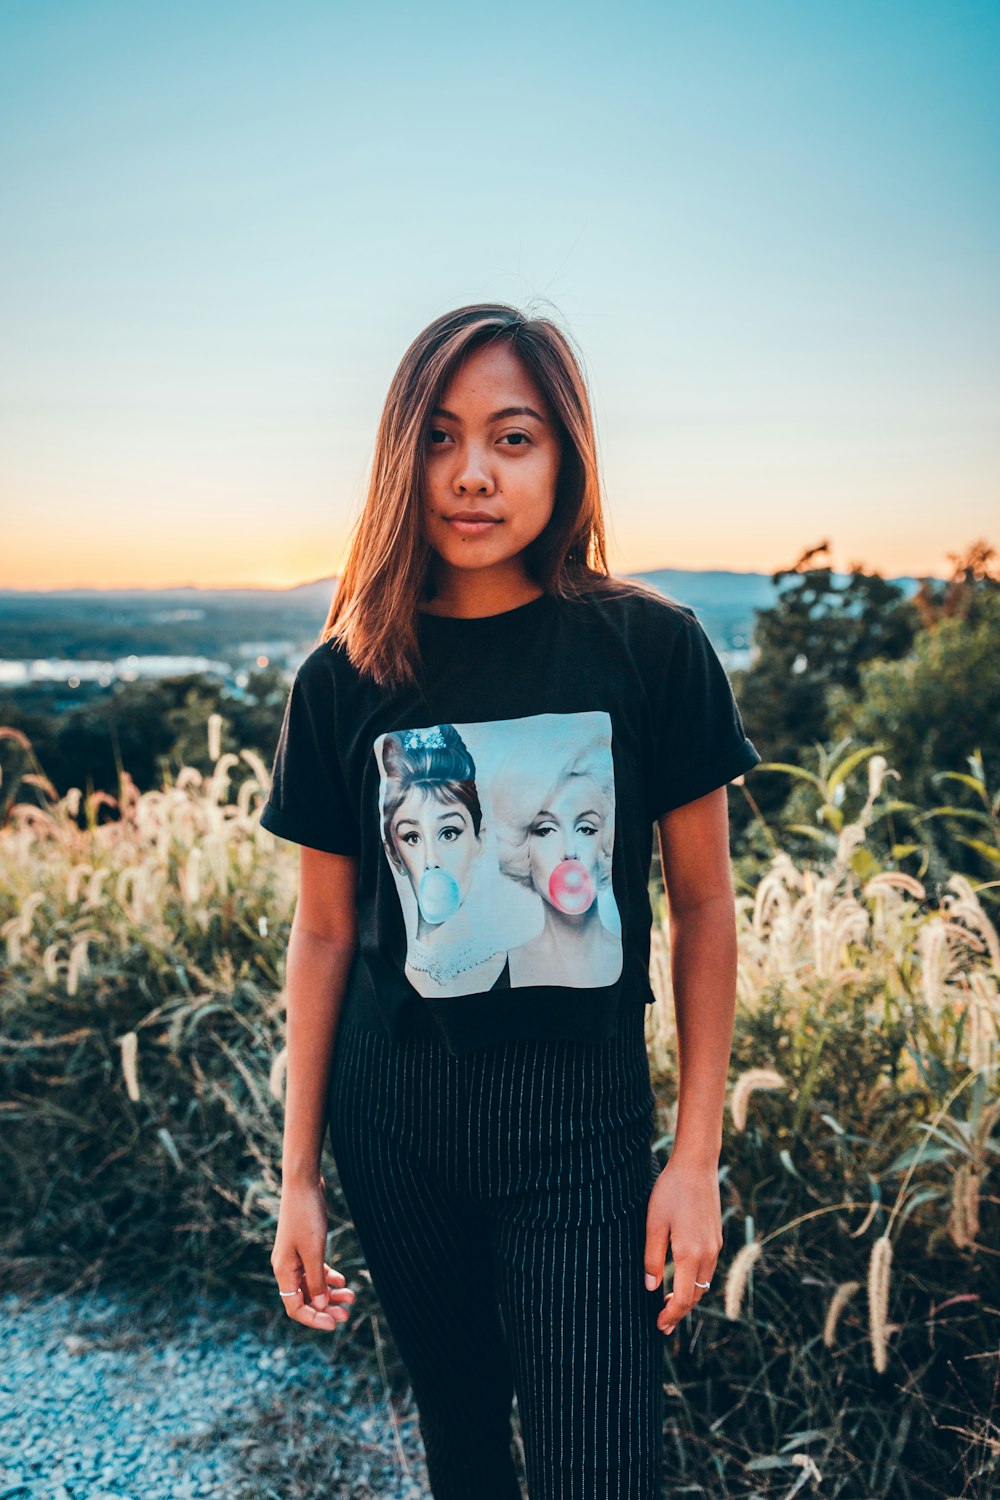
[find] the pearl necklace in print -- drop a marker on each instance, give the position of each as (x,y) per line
(457,957)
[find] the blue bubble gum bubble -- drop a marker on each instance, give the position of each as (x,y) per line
(439,896)
(571,887)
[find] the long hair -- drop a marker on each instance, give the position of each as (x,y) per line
(388,568)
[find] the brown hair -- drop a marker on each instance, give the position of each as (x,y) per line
(388,568)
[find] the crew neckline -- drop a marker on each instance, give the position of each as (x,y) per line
(495,621)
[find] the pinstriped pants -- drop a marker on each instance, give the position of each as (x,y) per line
(500,1200)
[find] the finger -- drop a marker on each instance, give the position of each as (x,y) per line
(685,1294)
(655,1253)
(338,1292)
(673,1311)
(291,1284)
(336,1282)
(288,1275)
(679,1299)
(291,1301)
(315,1280)
(326,1320)
(705,1273)
(683,1285)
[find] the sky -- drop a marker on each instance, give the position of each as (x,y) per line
(772,230)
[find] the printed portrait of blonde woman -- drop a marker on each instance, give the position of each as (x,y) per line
(555,815)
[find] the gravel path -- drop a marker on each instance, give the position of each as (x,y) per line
(97,1400)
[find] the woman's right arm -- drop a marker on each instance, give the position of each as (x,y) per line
(321,948)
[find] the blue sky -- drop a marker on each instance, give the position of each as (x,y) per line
(773,229)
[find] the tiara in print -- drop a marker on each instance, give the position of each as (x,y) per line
(424,739)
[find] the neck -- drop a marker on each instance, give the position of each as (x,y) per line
(565,930)
(489,591)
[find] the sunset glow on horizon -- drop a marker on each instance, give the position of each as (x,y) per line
(253,575)
(773,235)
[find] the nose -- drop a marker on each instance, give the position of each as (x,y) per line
(472,476)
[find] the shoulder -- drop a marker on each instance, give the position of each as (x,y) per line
(641,612)
(325,663)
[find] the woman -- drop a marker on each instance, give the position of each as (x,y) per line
(432,833)
(494,1147)
(556,836)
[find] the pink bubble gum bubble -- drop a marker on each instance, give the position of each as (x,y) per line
(439,895)
(571,887)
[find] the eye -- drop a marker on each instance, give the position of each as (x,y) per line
(437,437)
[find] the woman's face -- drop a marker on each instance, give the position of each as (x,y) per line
(570,828)
(483,455)
(439,837)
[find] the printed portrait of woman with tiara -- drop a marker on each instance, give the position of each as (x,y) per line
(433,836)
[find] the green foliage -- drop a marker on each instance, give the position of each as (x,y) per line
(147,729)
(936,716)
(817,636)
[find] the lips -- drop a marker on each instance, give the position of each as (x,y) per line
(472,522)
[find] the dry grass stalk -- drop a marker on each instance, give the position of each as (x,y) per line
(963,1215)
(844,1292)
(276,1077)
(736,1278)
(873,1209)
(159,874)
(879,1267)
(984,1025)
(810,1471)
(79,962)
(129,1044)
(746,1083)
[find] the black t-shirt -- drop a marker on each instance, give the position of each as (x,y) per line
(502,813)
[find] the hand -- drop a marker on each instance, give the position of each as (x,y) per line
(683,1209)
(297,1260)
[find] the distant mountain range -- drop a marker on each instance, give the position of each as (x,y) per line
(708,589)
(78,636)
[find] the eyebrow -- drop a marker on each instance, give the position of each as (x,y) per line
(454,813)
(588,812)
(496,416)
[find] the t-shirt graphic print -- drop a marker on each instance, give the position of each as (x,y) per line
(500,839)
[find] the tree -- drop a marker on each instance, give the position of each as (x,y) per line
(973,578)
(816,638)
(933,711)
(149,729)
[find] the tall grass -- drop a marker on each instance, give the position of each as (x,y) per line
(858,1334)
(141,1030)
(850,1342)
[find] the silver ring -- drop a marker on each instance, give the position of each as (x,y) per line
(703,1283)
(288,1294)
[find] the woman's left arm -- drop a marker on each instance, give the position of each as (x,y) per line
(684,1209)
